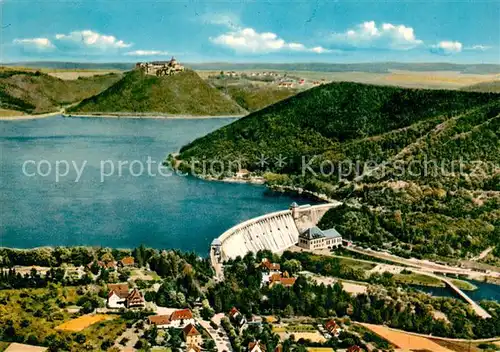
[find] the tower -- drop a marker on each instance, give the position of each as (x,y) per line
(294,207)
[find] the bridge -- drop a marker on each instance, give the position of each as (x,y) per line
(480,311)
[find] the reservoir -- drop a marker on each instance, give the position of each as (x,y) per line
(100,196)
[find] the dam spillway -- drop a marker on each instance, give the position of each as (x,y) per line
(274,231)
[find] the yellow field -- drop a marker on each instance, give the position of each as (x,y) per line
(406,341)
(314,336)
(83,322)
(319,349)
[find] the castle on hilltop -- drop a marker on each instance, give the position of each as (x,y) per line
(160,68)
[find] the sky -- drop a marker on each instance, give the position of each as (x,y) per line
(337,31)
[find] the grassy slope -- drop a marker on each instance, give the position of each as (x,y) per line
(428,215)
(35,92)
(183,93)
(252,97)
(492,86)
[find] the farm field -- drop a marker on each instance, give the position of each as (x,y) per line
(460,346)
(307,332)
(401,78)
(405,341)
(80,323)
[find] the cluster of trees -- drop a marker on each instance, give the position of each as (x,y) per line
(410,311)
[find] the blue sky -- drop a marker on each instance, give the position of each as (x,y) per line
(256,31)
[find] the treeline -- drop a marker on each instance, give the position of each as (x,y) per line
(10,279)
(187,272)
(410,311)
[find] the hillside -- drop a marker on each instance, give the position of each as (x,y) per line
(34,92)
(330,134)
(183,93)
(253,97)
(490,86)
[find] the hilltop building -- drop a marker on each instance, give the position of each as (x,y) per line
(160,68)
(315,238)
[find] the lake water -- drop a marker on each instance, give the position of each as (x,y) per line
(122,211)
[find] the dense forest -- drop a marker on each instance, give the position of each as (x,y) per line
(418,168)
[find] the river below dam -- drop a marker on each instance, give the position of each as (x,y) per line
(484,291)
(78,181)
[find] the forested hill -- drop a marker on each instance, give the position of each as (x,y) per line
(182,93)
(451,210)
(323,118)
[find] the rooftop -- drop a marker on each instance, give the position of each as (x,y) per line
(315,232)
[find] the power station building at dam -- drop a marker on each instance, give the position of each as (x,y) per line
(275,232)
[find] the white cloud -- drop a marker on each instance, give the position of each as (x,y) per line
(250,41)
(478,48)
(222,19)
(146,53)
(369,35)
(91,39)
(38,43)
(446,48)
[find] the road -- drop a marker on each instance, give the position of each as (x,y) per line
(219,336)
(423,265)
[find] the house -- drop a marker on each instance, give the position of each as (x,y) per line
(161,321)
(256,346)
(102,265)
(282,279)
(135,299)
(242,173)
(181,318)
(268,266)
(178,319)
(126,262)
(332,327)
(237,317)
(314,238)
(193,348)
(120,297)
(191,335)
(285,281)
(117,295)
(354,349)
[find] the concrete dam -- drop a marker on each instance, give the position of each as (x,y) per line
(274,231)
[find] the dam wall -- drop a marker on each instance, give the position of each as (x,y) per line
(274,231)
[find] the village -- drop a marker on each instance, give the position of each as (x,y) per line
(272,78)
(192,327)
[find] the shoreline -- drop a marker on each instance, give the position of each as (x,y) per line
(30,116)
(151,115)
